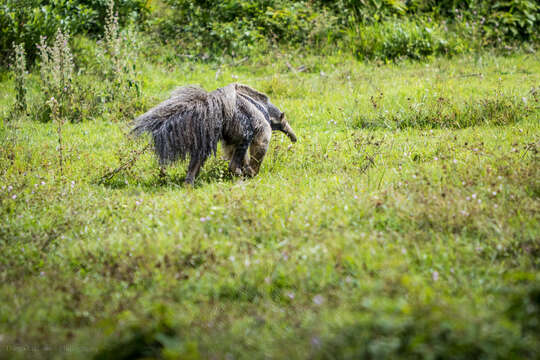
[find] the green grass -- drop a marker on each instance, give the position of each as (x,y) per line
(404,223)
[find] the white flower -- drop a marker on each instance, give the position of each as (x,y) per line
(318,300)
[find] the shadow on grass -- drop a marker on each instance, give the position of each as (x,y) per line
(215,171)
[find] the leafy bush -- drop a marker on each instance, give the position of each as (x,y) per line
(25,21)
(234,27)
(381,29)
(518,19)
(399,39)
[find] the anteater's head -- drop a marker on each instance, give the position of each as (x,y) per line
(278,122)
(276,117)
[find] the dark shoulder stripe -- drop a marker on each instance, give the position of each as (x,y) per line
(258,106)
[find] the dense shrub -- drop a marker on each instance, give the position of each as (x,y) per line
(396,39)
(233,27)
(383,29)
(25,21)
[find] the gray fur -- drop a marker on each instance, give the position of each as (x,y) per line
(192,122)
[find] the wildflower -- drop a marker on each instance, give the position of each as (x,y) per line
(290,295)
(318,300)
(435,275)
(474,196)
(454,161)
(14,197)
(231,258)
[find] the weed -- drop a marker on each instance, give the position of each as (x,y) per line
(57,75)
(21,75)
(117,59)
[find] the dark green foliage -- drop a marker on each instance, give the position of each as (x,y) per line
(399,39)
(428,332)
(374,29)
(141,343)
(24,21)
(232,27)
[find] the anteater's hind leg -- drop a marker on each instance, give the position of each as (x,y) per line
(195,164)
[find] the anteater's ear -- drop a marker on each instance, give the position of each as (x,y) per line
(282,117)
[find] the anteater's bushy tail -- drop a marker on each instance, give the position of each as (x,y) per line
(189,122)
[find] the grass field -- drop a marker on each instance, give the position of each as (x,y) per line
(403,223)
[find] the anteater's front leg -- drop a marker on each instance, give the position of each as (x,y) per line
(239,164)
(258,149)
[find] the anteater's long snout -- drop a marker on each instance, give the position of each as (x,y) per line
(289,132)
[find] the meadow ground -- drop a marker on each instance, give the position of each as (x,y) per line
(405,221)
